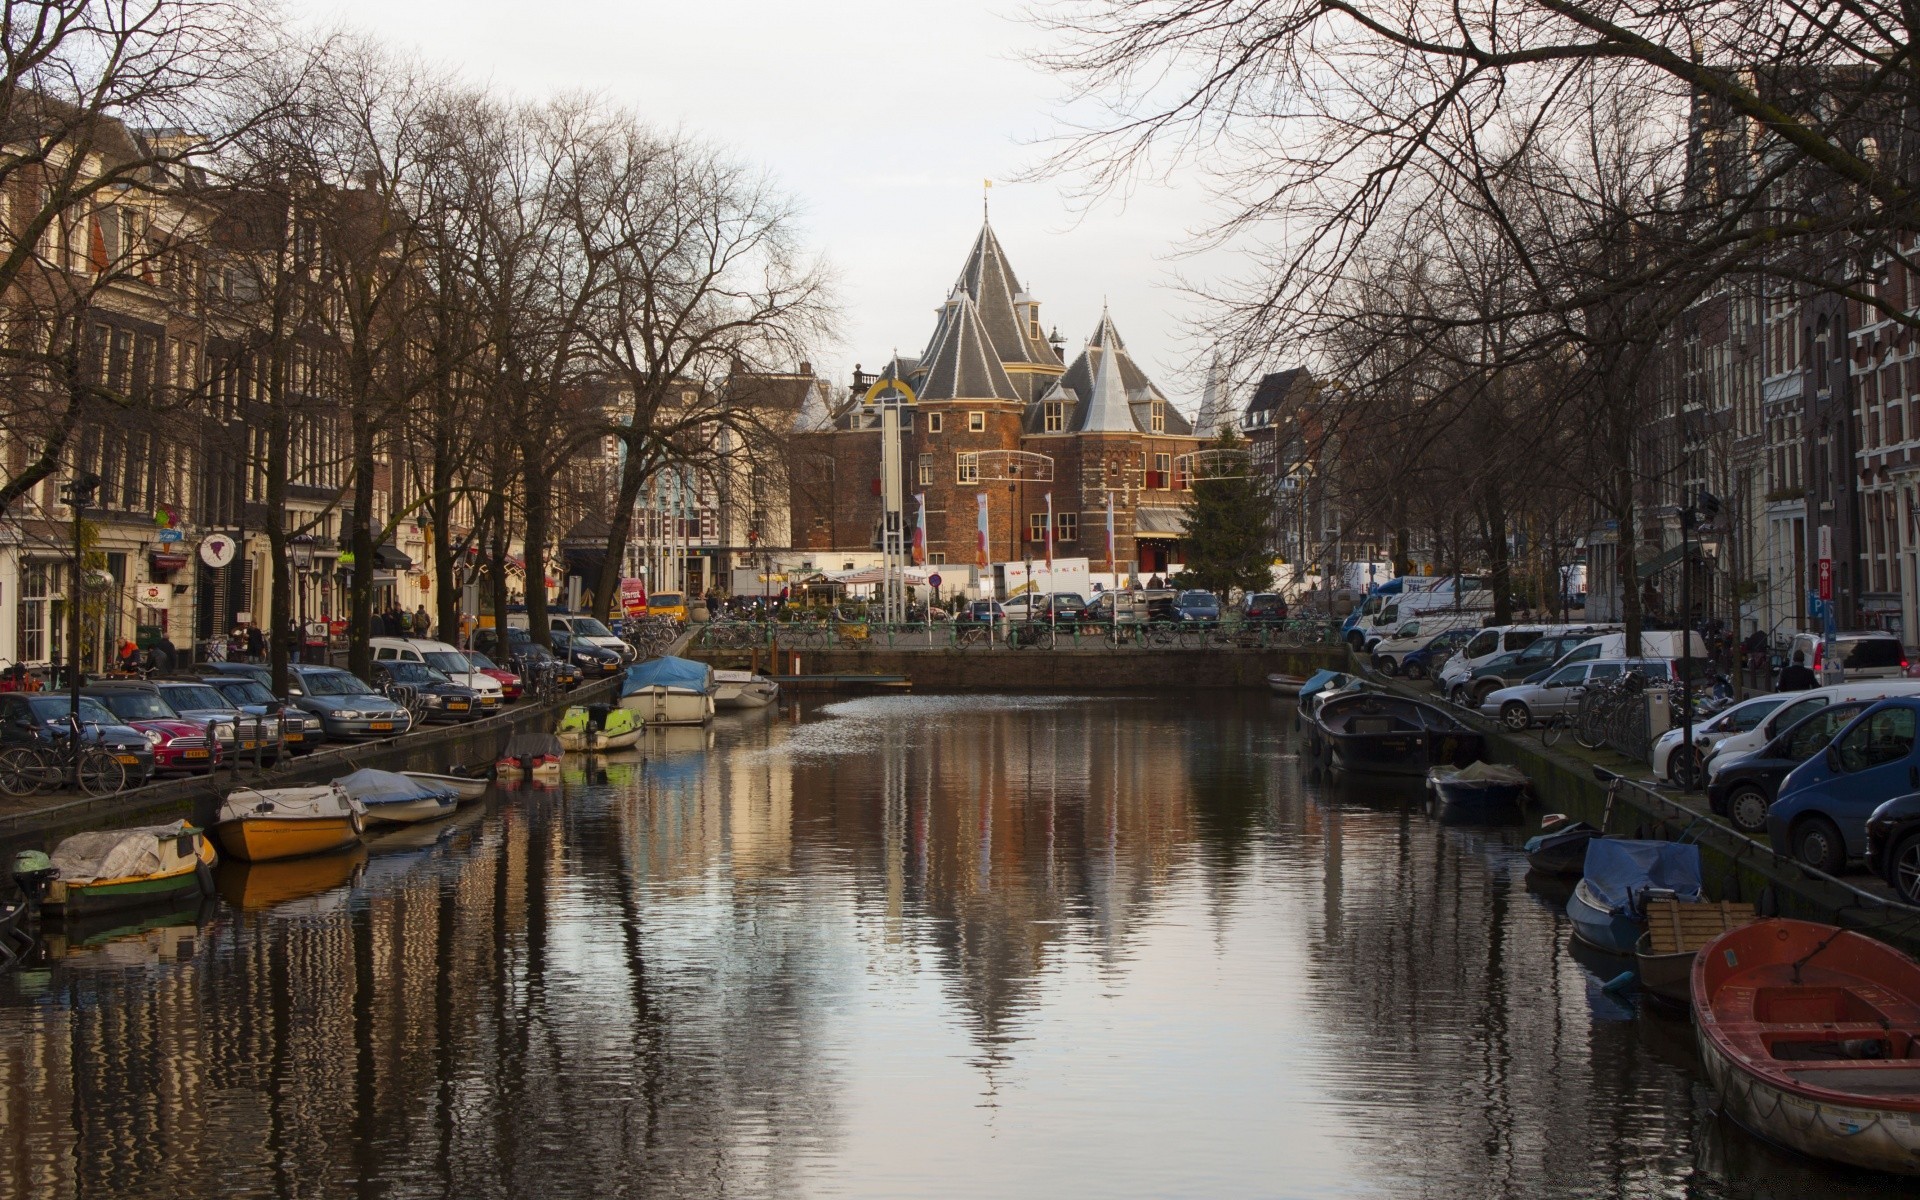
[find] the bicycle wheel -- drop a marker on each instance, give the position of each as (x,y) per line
(101,774)
(1590,727)
(1551,731)
(20,769)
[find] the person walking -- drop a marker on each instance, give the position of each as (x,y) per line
(422,623)
(256,645)
(1796,676)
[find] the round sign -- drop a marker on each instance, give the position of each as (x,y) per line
(933,581)
(218,550)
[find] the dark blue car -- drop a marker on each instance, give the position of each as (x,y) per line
(1201,607)
(1431,657)
(1821,816)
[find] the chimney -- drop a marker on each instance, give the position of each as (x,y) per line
(806,368)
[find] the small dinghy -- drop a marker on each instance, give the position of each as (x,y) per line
(669,691)
(112,870)
(530,754)
(1285,685)
(264,824)
(743,689)
(1811,1035)
(598,727)
(1393,735)
(465,788)
(1622,876)
(1675,933)
(1560,848)
(393,799)
(1478,792)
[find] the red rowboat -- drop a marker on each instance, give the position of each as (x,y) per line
(1811,1035)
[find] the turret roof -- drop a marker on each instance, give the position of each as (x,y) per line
(962,364)
(988,277)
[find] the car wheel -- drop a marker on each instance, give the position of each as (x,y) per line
(1515,716)
(1903,869)
(1817,844)
(1481,691)
(1683,768)
(1383,665)
(1747,808)
(1414,671)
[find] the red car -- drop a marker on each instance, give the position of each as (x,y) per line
(509,682)
(179,746)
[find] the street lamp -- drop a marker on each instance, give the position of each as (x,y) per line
(302,549)
(1704,507)
(76,495)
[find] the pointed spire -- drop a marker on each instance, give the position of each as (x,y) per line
(1216,410)
(989,279)
(961,363)
(1107,409)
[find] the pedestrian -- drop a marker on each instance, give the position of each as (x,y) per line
(256,645)
(166,656)
(1797,676)
(129,657)
(422,623)
(295,638)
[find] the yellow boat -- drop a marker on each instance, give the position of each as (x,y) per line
(117,869)
(262,825)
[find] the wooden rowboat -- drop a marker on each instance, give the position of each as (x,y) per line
(265,824)
(1380,733)
(119,869)
(1664,954)
(463,787)
(1811,1035)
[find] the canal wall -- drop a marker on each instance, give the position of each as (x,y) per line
(1085,670)
(434,748)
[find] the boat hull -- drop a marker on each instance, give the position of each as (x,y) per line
(669,706)
(268,838)
(463,787)
(1563,853)
(408,812)
(1667,976)
(72,901)
(1858,1136)
(746,695)
(1483,803)
(1600,927)
(599,741)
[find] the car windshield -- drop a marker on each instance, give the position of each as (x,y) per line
(335,683)
(186,697)
(137,706)
(56,708)
(481,662)
(448,661)
(245,691)
(588,627)
(1197,598)
(410,672)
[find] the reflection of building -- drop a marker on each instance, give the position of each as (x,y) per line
(988,381)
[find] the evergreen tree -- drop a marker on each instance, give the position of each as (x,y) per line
(1229,538)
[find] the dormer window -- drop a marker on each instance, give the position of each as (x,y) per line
(1053,416)
(1159,418)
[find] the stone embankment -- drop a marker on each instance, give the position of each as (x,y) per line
(997,669)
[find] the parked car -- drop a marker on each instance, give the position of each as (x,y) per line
(1743,789)
(510,685)
(1669,760)
(444,699)
(180,747)
(591,661)
(523,651)
(1197,607)
(583,628)
(1425,661)
(1870,654)
(1821,816)
(1260,608)
(1489,643)
(1799,707)
(198,704)
(447,660)
(1528,665)
(40,719)
(667,604)
(1115,607)
(1390,653)
(1893,845)
(301,733)
(346,706)
(982,611)
(260,673)
(1559,693)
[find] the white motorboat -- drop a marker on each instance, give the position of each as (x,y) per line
(743,689)
(392,799)
(669,691)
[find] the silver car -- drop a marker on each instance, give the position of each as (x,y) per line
(1558,695)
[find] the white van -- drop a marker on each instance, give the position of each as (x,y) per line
(1804,704)
(1654,643)
(581,628)
(1472,605)
(445,659)
(1412,635)
(1492,642)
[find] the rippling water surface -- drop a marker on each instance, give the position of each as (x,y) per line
(901,946)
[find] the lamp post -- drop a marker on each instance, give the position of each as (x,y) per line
(1702,510)
(302,566)
(76,495)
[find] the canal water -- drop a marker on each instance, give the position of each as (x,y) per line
(899,946)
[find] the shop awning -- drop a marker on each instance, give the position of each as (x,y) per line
(1663,560)
(1159,522)
(392,558)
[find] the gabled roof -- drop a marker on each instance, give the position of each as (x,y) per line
(1274,390)
(1130,388)
(1108,410)
(989,279)
(962,364)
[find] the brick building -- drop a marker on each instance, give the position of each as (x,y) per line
(991,380)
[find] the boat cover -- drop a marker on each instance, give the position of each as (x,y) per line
(681,674)
(115,853)
(1482,773)
(1320,681)
(373,788)
(532,745)
(326,800)
(1618,869)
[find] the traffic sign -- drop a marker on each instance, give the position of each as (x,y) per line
(1826,579)
(933,581)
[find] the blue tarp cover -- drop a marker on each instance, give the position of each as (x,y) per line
(1619,869)
(670,672)
(372,787)
(1321,680)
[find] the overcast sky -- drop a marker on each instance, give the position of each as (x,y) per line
(882,118)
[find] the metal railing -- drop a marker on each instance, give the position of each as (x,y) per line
(803,633)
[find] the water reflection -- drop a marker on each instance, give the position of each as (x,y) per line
(893,946)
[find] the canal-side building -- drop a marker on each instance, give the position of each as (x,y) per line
(992,380)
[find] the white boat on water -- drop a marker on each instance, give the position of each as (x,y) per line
(743,689)
(669,691)
(394,799)
(463,787)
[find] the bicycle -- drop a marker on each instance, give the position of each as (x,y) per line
(1030,633)
(25,770)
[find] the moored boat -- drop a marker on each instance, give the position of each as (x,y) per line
(1560,848)
(668,691)
(1479,792)
(393,799)
(529,754)
(1675,932)
(1285,685)
(1811,1036)
(250,886)
(264,824)
(743,689)
(598,727)
(463,787)
(111,870)
(1394,735)
(1608,907)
